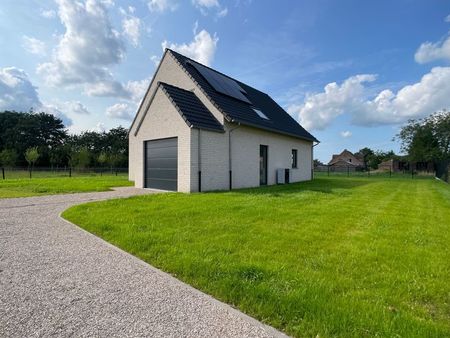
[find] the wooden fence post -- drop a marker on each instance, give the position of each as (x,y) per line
(70,172)
(3,172)
(348,171)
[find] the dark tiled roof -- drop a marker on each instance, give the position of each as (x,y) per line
(238,111)
(191,108)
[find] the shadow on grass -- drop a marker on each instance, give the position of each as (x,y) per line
(324,185)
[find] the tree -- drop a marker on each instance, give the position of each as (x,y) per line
(102,158)
(317,163)
(31,156)
(115,159)
(21,131)
(81,158)
(367,156)
(60,156)
(8,157)
(427,139)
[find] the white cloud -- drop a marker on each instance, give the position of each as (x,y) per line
(131,26)
(320,109)
(201,49)
(223,12)
(33,45)
(447,18)
(432,51)
(16,91)
(206,6)
(19,94)
(354,98)
(56,110)
(137,89)
(162,5)
(346,134)
(206,3)
(99,128)
(75,60)
(108,3)
(155,59)
(48,13)
(76,107)
(132,90)
(106,89)
(120,111)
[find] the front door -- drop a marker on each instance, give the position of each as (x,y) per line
(262,165)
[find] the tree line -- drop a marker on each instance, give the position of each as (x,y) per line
(421,140)
(41,139)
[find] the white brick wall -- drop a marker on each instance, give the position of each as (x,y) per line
(245,142)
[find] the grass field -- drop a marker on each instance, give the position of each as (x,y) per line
(336,257)
(24,187)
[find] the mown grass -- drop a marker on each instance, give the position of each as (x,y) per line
(336,257)
(26,187)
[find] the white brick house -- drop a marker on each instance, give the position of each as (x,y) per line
(199,130)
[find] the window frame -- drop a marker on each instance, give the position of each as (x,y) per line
(260,113)
(294,158)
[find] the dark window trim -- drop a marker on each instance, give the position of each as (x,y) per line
(294,154)
(266,165)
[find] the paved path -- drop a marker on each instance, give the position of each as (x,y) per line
(58,280)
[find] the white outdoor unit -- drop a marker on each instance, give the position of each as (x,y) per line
(281,174)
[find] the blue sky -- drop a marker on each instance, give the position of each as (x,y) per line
(351,72)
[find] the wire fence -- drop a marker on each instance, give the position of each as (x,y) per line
(350,171)
(47,172)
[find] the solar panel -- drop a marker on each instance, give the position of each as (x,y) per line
(221,83)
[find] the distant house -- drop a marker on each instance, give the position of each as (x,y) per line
(346,160)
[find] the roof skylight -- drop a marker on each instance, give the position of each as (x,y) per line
(260,114)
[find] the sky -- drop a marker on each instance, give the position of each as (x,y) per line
(351,72)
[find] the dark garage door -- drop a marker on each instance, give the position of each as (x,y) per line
(161,164)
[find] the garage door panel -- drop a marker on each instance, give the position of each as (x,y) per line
(162,152)
(162,174)
(162,184)
(161,143)
(161,164)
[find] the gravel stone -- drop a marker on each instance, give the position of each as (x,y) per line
(58,280)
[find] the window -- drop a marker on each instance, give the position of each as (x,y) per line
(294,158)
(260,114)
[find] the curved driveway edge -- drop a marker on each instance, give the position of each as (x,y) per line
(57,279)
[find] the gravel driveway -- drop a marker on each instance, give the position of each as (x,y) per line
(58,280)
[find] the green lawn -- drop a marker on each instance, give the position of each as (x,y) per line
(344,257)
(25,187)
